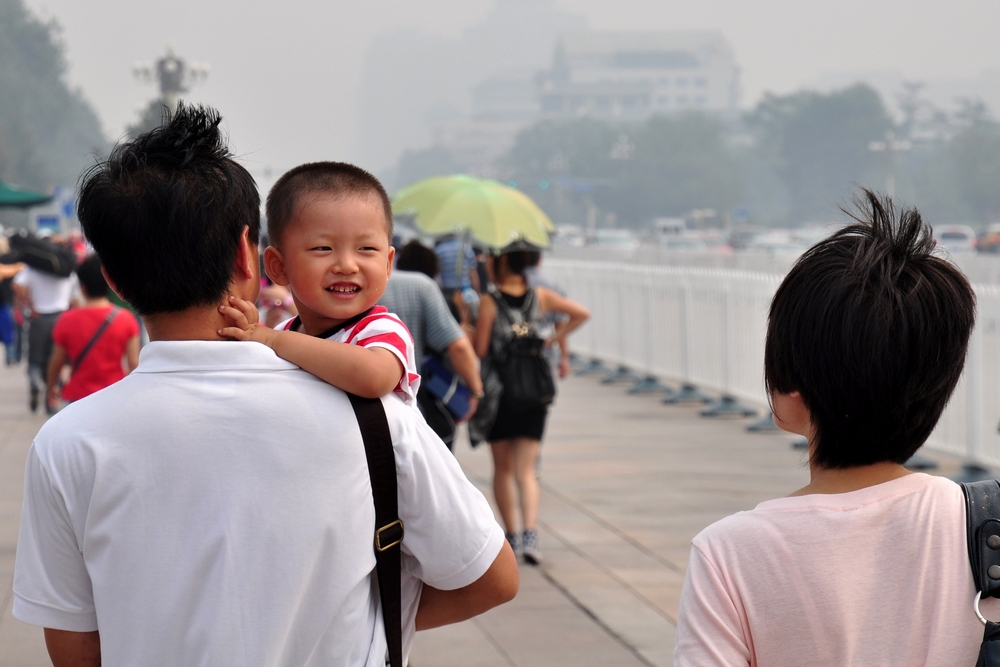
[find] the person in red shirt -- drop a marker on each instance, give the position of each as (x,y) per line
(94,340)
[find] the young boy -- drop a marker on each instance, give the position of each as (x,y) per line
(330,229)
(867,564)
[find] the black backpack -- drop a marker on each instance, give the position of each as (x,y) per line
(521,364)
(43,255)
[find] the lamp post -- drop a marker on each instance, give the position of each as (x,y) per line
(173,74)
(892,147)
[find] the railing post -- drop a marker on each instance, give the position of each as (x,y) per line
(649,384)
(688,392)
(589,278)
(728,405)
(973,469)
(622,373)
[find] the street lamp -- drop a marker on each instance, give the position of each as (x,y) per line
(892,147)
(173,74)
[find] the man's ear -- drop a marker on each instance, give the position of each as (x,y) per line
(274,265)
(392,255)
(246,257)
(111,283)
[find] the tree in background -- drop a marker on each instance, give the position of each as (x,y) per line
(679,163)
(666,166)
(563,165)
(817,144)
(424,163)
(48,133)
(975,155)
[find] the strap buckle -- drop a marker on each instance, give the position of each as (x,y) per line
(393,538)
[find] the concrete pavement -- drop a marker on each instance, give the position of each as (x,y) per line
(626,483)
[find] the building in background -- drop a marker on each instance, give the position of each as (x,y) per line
(419,89)
(502,105)
(631,76)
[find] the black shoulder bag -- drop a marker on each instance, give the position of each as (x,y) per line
(982,513)
(388,527)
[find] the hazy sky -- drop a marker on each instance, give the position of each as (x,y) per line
(285,75)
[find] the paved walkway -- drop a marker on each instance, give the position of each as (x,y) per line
(626,483)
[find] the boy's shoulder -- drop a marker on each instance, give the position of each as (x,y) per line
(376,325)
(377,316)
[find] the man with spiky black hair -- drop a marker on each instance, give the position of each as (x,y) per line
(168,519)
(867,564)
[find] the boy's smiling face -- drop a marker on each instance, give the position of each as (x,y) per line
(335,258)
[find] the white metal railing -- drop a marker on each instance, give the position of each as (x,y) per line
(707,326)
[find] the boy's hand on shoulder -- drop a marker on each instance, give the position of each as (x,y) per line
(244,322)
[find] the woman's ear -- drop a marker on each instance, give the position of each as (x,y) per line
(790,413)
(274,265)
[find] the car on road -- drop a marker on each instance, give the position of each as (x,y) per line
(621,241)
(956,239)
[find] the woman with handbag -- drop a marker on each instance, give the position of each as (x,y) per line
(98,340)
(510,338)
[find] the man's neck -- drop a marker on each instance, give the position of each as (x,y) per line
(99,302)
(200,323)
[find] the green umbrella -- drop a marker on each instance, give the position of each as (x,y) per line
(491,212)
(18,198)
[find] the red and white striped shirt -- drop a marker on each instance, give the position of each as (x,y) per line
(378,327)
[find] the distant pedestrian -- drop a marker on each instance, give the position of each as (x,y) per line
(458,271)
(10,326)
(276,304)
(414,297)
(47,296)
(513,311)
(98,340)
(558,355)
(868,563)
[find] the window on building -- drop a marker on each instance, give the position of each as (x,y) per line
(682,101)
(700,82)
(700,101)
(682,82)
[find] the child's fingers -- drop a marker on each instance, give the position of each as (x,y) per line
(236,316)
(236,333)
(248,308)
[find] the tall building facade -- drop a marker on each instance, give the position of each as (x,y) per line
(630,76)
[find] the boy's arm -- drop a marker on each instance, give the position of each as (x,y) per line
(367,372)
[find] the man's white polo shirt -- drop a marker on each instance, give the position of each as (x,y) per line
(214,508)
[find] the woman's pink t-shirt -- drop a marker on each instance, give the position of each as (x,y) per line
(878,576)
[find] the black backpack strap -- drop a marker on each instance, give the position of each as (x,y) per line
(982,516)
(93,339)
(982,512)
(388,527)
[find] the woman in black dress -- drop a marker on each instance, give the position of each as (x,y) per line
(516,432)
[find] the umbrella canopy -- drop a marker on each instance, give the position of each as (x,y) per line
(18,198)
(493,213)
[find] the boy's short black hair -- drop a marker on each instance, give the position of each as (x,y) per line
(166,213)
(872,330)
(415,256)
(91,279)
(332,179)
